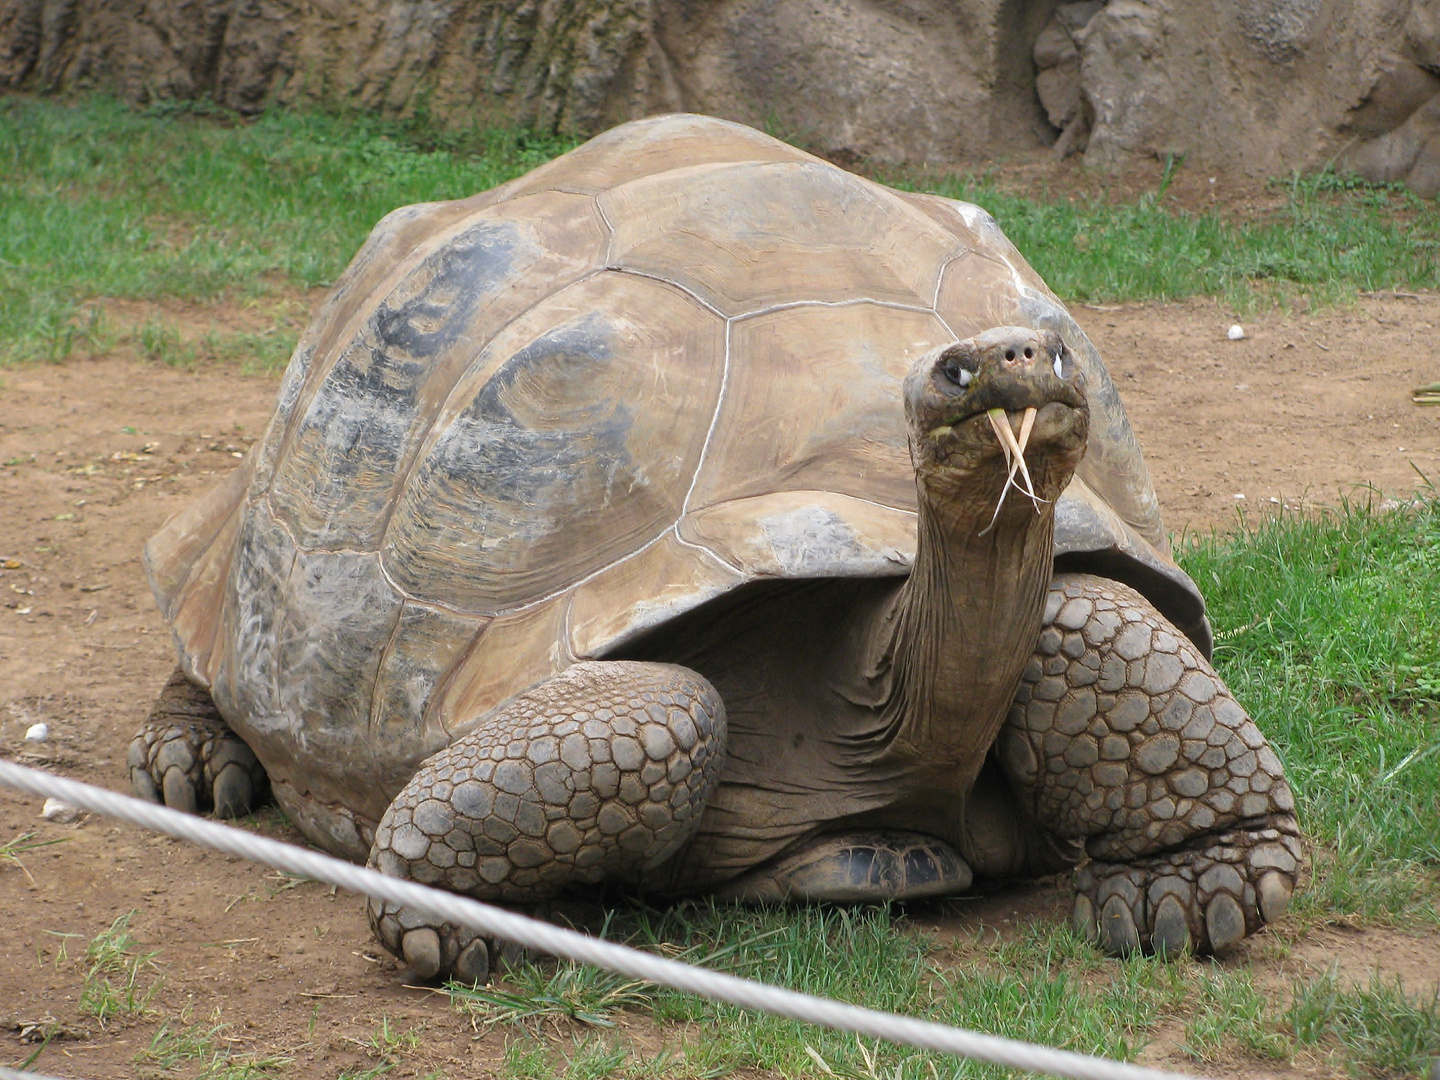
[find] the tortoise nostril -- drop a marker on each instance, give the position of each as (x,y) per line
(1029,353)
(1009,354)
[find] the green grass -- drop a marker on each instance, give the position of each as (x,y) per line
(118,981)
(1330,635)
(100,201)
(177,205)
(1332,238)
(1043,986)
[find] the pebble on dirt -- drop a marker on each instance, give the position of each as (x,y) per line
(37,733)
(1236,332)
(62,813)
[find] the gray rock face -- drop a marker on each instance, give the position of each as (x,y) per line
(890,79)
(1401,117)
(1260,86)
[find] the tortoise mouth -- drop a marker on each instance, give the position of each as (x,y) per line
(980,436)
(986,417)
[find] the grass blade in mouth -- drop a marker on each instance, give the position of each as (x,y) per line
(1027,425)
(1014,457)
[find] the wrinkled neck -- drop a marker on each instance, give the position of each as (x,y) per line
(961,629)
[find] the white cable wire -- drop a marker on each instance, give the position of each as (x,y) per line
(557,941)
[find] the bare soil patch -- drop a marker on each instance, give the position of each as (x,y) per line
(1307,409)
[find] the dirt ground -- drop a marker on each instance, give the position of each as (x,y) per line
(1305,410)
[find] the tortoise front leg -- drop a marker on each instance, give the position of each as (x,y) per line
(1123,736)
(599,773)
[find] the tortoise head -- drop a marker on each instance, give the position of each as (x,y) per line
(1004,409)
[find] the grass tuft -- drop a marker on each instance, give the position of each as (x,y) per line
(113,980)
(1381,1029)
(533,994)
(1334,237)
(12,849)
(1329,631)
(205,1053)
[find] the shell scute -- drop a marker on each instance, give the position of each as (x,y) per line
(803,534)
(336,617)
(369,410)
(404,729)
(570,444)
(665,578)
(747,236)
(647,147)
(192,620)
(812,403)
(396,242)
(513,651)
(245,676)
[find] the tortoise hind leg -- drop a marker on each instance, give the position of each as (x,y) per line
(1123,736)
(600,773)
(187,758)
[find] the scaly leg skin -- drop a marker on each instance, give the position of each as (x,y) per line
(1122,735)
(599,773)
(187,758)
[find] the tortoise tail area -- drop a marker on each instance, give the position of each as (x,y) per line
(188,563)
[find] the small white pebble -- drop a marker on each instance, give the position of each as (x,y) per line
(1236,332)
(59,812)
(1239,495)
(37,733)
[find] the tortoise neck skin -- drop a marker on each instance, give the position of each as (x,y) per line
(953,642)
(966,621)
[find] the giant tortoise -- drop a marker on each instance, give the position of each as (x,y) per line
(693,515)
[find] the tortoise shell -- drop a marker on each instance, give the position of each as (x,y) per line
(530,425)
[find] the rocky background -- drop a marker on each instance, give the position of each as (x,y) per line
(1257,86)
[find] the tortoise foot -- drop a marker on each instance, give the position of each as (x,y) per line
(188,759)
(443,951)
(1202,899)
(601,773)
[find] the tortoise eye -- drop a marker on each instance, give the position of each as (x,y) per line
(958,375)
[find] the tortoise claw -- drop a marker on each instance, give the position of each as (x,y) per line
(441,951)
(1201,899)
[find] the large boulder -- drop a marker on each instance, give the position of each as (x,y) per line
(1399,124)
(1260,86)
